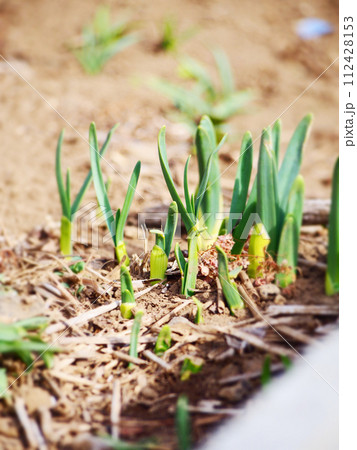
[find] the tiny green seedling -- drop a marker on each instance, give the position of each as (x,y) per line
(204,97)
(190,367)
(182,420)
(229,287)
(198,316)
(265,377)
(134,337)
(163,341)
(101,40)
(116,224)
(172,37)
(64,189)
(163,242)
(127,292)
(332,273)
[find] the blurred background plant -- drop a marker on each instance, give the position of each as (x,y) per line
(171,36)
(101,40)
(203,96)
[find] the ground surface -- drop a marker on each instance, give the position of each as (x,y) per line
(266,55)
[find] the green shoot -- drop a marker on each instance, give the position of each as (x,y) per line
(289,238)
(3,384)
(190,367)
(134,337)
(258,244)
(162,248)
(101,40)
(212,199)
(265,377)
(127,292)
(116,224)
(229,288)
(204,97)
(158,262)
(277,197)
(192,212)
(23,338)
(332,273)
(171,37)
(242,179)
(163,341)
(198,316)
(189,268)
(183,421)
(68,210)
(287,363)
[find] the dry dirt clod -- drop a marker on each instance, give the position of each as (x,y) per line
(268,291)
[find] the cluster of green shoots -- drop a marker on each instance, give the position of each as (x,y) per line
(203,96)
(101,40)
(269,218)
(272,211)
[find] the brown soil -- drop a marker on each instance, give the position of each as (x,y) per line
(72,402)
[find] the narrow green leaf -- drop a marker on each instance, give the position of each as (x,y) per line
(127,203)
(212,199)
(189,223)
(4,393)
(198,316)
(275,140)
(182,420)
(68,187)
(125,281)
(181,262)
(290,166)
(66,207)
(170,227)
(88,179)
(288,248)
(185,186)
(225,72)
(266,371)
(241,182)
(240,232)
(267,196)
(163,341)
(229,288)
(134,337)
(191,268)
(296,208)
(159,238)
(98,181)
(332,273)
(205,178)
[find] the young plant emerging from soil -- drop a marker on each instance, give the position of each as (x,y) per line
(101,40)
(69,210)
(204,97)
(273,209)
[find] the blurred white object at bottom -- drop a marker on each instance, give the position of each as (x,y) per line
(297,411)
